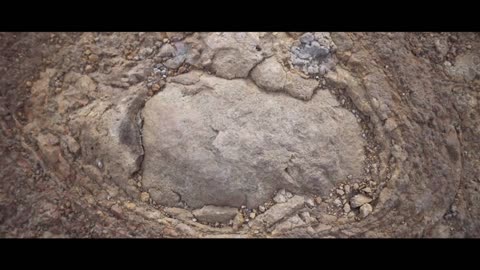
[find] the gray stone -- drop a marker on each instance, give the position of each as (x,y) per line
(167,50)
(309,202)
(359,200)
(365,210)
(346,208)
(225,142)
(307,38)
(299,87)
(175,62)
(278,212)
(306,217)
(289,224)
(280,198)
(178,213)
(337,202)
(233,54)
(212,213)
(269,75)
(347,189)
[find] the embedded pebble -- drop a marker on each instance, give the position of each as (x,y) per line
(365,210)
(359,200)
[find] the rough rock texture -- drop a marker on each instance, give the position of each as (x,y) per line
(271,76)
(232,55)
(413,96)
(227,143)
(113,142)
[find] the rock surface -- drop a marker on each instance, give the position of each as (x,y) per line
(64,169)
(227,143)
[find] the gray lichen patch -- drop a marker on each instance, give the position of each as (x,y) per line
(312,53)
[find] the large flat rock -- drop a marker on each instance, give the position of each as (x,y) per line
(228,143)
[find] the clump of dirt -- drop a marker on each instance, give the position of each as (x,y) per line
(239,134)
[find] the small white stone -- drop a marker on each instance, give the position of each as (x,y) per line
(347,189)
(309,202)
(337,202)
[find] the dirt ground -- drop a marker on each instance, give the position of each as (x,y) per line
(415,97)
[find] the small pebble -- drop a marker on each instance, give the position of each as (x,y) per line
(359,200)
(337,202)
(88,68)
(155,87)
(144,196)
(310,203)
(347,189)
(365,210)
(367,190)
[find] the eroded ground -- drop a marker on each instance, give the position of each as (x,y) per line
(239,135)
